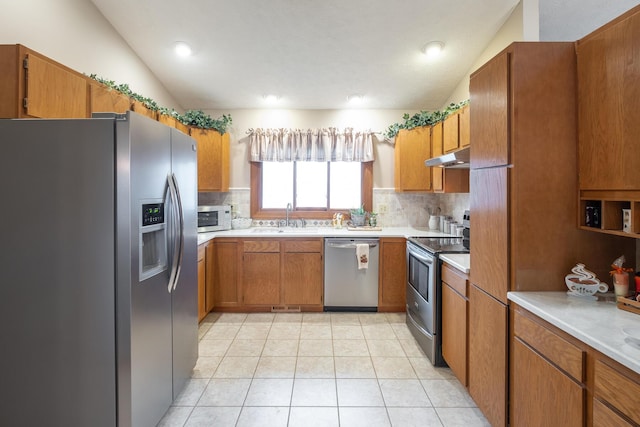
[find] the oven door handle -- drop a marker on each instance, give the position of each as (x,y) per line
(419,256)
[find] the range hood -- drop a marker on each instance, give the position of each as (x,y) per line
(455,159)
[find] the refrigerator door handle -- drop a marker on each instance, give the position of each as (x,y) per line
(173,276)
(181,229)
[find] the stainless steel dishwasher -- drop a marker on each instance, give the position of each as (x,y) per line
(347,288)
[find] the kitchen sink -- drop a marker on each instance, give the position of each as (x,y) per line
(285,230)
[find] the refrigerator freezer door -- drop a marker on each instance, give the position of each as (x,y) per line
(57,273)
(184,296)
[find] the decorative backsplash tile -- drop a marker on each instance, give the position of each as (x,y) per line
(402,209)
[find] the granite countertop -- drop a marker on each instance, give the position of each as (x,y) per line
(457,261)
(323,232)
(597,323)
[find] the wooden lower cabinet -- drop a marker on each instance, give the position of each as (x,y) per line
(265,274)
(558,380)
(261,272)
(225,273)
(209,277)
(202,273)
(488,341)
(543,395)
(392,275)
(302,273)
(454,322)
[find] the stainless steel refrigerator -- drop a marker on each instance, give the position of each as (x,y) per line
(98,273)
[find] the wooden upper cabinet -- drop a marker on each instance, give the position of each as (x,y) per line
(489,89)
(609,105)
(32,85)
(104,99)
(464,135)
(213,159)
(450,133)
(412,148)
(437,174)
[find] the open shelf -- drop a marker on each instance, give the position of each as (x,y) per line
(608,211)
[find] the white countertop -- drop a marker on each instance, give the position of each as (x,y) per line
(323,232)
(596,323)
(458,261)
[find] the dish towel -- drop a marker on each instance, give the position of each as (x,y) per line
(362,253)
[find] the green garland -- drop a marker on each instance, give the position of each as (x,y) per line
(196,118)
(423,118)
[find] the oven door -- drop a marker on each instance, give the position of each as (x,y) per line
(421,292)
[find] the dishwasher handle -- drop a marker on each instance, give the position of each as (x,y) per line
(349,245)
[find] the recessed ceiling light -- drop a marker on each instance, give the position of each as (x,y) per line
(433,49)
(271,99)
(182,49)
(355,99)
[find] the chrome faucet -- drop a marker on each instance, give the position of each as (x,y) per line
(289,209)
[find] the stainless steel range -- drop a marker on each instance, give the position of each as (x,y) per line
(424,286)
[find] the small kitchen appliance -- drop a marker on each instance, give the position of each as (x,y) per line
(214,218)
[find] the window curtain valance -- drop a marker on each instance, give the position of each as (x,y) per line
(311,145)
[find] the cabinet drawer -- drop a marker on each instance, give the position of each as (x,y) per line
(562,353)
(261,246)
(302,245)
(455,279)
(617,389)
(605,417)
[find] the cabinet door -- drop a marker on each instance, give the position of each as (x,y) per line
(104,99)
(464,126)
(392,275)
(202,312)
(488,355)
(489,89)
(437,149)
(225,279)
(542,395)
(209,277)
(454,332)
(608,102)
(213,160)
(261,272)
(53,91)
(412,148)
(489,222)
(450,133)
(302,275)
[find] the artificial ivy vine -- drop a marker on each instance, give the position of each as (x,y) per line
(195,118)
(423,118)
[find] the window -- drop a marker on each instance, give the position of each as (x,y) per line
(315,189)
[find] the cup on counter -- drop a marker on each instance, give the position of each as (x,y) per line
(459,231)
(621,284)
(453,226)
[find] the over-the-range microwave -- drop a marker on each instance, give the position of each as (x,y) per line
(214,218)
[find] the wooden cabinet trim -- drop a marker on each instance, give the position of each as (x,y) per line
(296,245)
(562,353)
(603,416)
(617,389)
(456,279)
(261,245)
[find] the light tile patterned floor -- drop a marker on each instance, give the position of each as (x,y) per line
(317,369)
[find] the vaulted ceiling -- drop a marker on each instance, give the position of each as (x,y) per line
(312,54)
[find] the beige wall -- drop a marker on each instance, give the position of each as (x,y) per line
(74,33)
(512,30)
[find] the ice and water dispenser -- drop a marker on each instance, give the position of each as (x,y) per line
(153,240)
